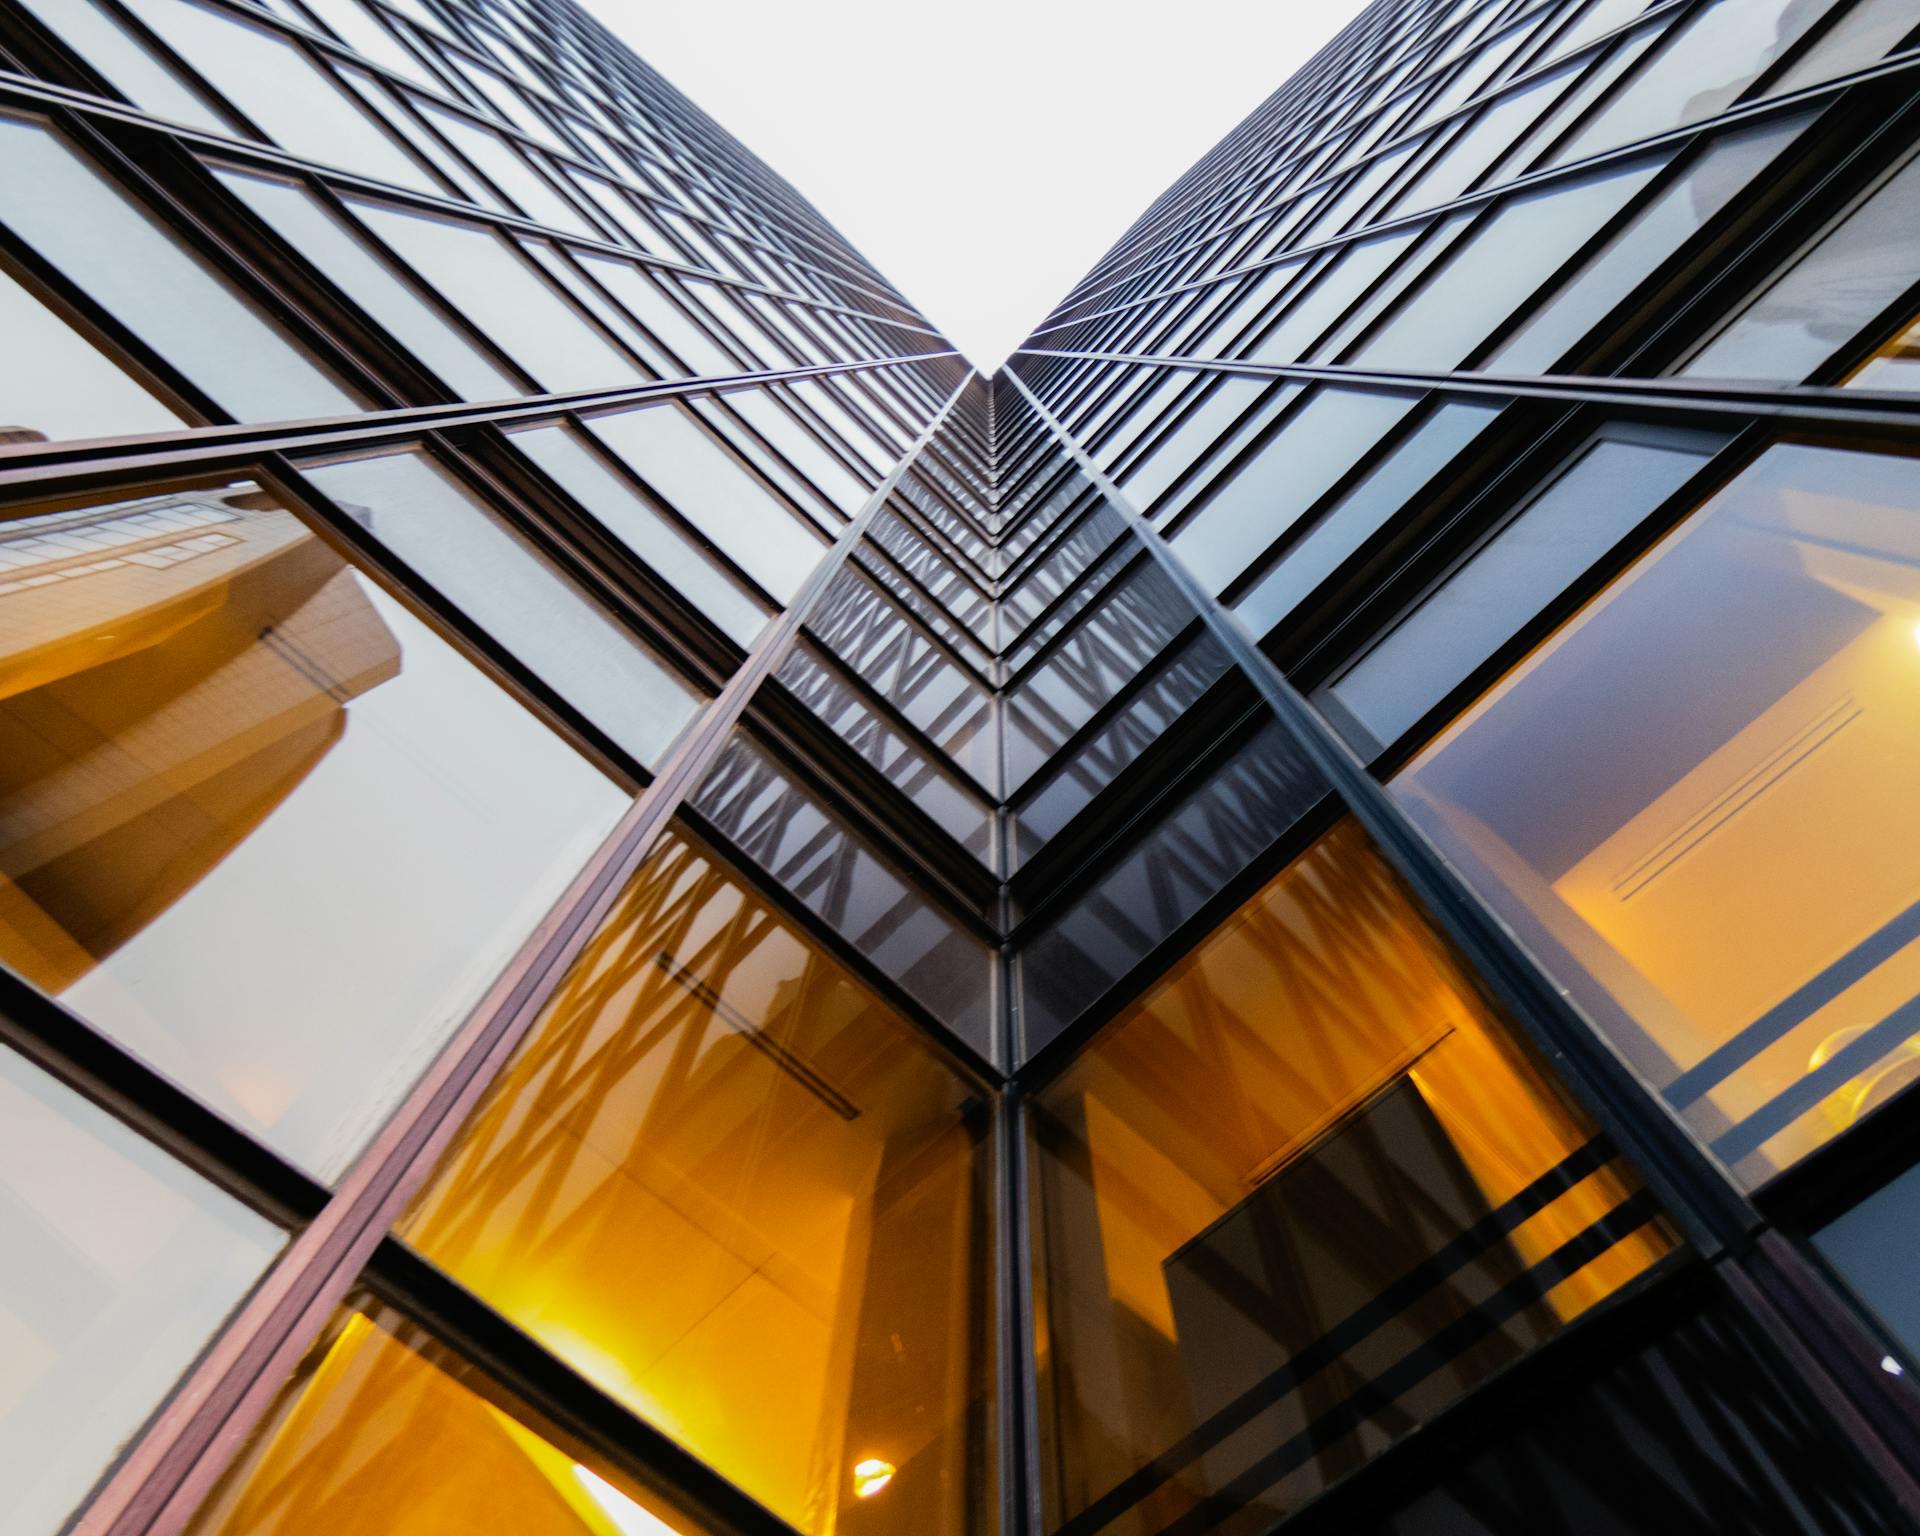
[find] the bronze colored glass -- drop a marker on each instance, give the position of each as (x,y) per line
(1694,802)
(1296,1200)
(382,1432)
(722,1180)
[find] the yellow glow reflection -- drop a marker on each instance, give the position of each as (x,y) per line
(628,1517)
(870,1476)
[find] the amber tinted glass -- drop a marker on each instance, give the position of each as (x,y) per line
(383,1433)
(1298,1199)
(258,823)
(1695,802)
(724,1182)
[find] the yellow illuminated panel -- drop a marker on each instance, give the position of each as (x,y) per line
(1894,366)
(724,1182)
(382,1433)
(1296,1200)
(1695,802)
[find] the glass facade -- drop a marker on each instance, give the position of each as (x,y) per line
(632,902)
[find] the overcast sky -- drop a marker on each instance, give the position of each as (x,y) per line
(982,154)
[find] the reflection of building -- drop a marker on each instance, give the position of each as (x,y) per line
(1298,913)
(169,668)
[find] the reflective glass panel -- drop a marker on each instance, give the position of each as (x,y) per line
(705,484)
(639,526)
(81,223)
(1591,505)
(1822,302)
(504,297)
(1872,1246)
(724,1182)
(422,514)
(289,97)
(1694,803)
(126,63)
(57,384)
(1295,1201)
(343,257)
(383,1432)
(257,822)
(116,1264)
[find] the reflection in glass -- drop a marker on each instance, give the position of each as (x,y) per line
(1293,1203)
(1695,803)
(257,822)
(116,1264)
(1894,366)
(126,63)
(383,1432)
(1820,304)
(722,1181)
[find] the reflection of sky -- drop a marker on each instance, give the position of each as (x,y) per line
(304,981)
(55,383)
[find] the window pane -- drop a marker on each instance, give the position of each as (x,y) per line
(1894,366)
(116,1264)
(1822,303)
(1294,1202)
(503,297)
(630,519)
(421,513)
(1587,509)
(676,457)
(382,1431)
(58,384)
(342,256)
(80,222)
(126,63)
(721,1180)
(1693,803)
(227,760)
(283,92)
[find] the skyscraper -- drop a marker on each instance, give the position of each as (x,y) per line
(632,903)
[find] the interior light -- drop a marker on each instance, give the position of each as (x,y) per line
(1891,1366)
(628,1517)
(870,1476)
(1916,634)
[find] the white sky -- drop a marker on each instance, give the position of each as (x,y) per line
(983,154)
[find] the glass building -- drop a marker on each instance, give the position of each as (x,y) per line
(636,904)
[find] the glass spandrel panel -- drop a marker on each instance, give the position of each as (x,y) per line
(421,513)
(1730,168)
(126,63)
(344,258)
(1361,512)
(713,1115)
(289,97)
(1589,507)
(57,384)
(117,1263)
(258,824)
(482,276)
(1823,301)
(1697,72)
(79,221)
(628,516)
(1266,493)
(382,1431)
(1300,1198)
(1525,241)
(1692,802)
(701,481)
